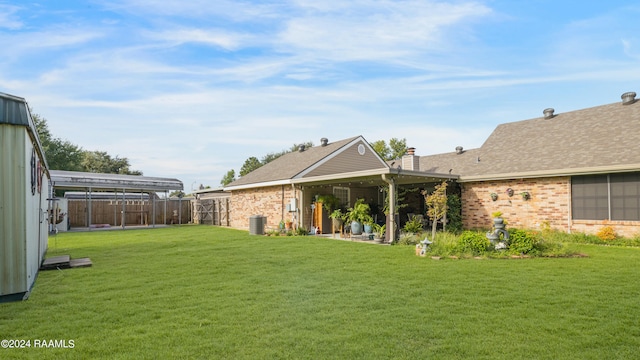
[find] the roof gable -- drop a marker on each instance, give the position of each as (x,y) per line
(287,166)
(357,155)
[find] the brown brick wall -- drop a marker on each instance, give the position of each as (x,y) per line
(267,201)
(549,203)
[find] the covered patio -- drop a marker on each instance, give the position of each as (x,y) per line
(375,187)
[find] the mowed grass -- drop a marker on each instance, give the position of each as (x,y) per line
(216,293)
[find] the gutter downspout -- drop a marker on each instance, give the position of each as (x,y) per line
(391,218)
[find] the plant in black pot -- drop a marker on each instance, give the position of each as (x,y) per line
(359,215)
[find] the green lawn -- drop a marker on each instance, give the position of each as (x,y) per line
(216,293)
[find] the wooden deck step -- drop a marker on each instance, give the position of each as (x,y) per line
(56,262)
(83,262)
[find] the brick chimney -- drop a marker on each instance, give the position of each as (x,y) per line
(410,161)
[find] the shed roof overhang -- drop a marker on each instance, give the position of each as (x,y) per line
(106,182)
(374,177)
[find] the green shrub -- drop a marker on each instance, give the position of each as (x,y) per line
(523,241)
(409,239)
(445,244)
(413,226)
(454,213)
(473,242)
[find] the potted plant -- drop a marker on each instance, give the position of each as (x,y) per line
(494,196)
(379,231)
(337,219)
(497,217)
(525,195)
(358,215)
(330,202)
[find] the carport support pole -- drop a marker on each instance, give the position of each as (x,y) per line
(391,218)
(153,211)
(166,197)
(89,210)
(124,215)
(115,207)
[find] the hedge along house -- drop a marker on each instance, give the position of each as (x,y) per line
(25,190)
(574,171)
(286,188)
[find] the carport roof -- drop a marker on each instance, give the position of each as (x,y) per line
(96,182)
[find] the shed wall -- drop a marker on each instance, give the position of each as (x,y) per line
(13,209)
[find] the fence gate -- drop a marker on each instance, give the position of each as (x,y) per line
(204,210)
(222,212)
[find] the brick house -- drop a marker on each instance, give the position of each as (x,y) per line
(580,169)
(574,171)
(286,188)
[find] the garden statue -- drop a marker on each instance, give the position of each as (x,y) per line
(498,229)
(423,246)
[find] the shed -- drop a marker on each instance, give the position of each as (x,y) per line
(25,190)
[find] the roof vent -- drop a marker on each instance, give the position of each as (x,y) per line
(301,147)
(324,141)
(628,98)
(548,113)
(459,150)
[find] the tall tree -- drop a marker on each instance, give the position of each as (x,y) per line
(101,162)
(398,147)
(64,155)
(395,149)
(228,178)
(60,154)
(249,165)
(380,147)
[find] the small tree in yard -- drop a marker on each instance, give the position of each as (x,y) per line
(436,205)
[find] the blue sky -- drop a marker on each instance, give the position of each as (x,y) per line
(190,89)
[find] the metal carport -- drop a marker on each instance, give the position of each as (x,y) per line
(89,182)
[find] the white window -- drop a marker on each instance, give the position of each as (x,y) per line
(342,193)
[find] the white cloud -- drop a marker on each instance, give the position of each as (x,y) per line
(8,19)
(214,37)
(370,30)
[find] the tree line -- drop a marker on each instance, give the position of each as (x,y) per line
(64,155)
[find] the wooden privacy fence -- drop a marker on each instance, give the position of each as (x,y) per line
(136,212)
(211,211)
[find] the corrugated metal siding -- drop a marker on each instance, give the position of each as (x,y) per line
(13,110)
(35,219)
(347,161)
(13,277)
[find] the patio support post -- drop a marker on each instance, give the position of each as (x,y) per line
(297,219)
(391,218)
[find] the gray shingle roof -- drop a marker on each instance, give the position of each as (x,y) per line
(606,136)
(289,165)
